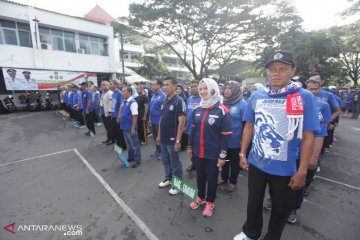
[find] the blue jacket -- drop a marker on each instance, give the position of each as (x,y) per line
(126,116)
(211,131)
(155,106)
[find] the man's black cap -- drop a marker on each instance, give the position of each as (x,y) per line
(26,72)
(83,83)
(281,56)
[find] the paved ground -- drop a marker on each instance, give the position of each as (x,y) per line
(70,188)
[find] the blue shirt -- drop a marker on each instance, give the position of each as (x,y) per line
(192,102)
(70,99)
(271,152)
(237,111)
(86,95)
(211,131)
(96,98)
(66,97)
(116,102)
(329,98)
(324,117)
(76,97)
(155,106)
(170,113)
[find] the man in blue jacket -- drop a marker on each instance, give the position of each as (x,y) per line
(128,115)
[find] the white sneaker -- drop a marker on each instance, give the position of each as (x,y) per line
(164,183)
(82,126)
(242,236)
(173,191)
(99,124)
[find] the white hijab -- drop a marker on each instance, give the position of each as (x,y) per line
(213,93)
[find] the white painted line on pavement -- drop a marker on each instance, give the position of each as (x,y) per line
(32,158)
(121,202)
(334,181)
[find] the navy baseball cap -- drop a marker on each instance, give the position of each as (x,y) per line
(281,56)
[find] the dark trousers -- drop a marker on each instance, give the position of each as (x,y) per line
(155,133)
(230,171)
(282,199)
(206,174)
(95,117)
(89,120)
(71,112)
(79,117)
(117,134)
(142,130)
(107,125)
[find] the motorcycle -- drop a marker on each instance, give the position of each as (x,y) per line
(7,105)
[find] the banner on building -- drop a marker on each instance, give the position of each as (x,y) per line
(30,79)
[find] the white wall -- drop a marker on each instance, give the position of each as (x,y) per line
(16,56)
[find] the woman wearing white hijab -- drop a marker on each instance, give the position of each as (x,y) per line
(210,134)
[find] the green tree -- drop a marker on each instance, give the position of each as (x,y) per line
(349,56)
(151,67)
(353,9)
(214,31)
(313,51)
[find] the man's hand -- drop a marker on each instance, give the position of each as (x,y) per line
(220,164)
(244,163)
(189,152)
(144,118)
(297,181)
(87,112)
(132,133)
(158,140)
(118,120)
(331,126)
(177,147)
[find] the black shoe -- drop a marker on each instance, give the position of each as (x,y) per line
(110,143)
(190,168)
(135,165)
(106,141)
(87,134)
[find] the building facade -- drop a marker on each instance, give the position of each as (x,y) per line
(52,44)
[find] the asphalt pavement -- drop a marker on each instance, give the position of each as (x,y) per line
(55,183)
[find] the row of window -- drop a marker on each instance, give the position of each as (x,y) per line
(16,33)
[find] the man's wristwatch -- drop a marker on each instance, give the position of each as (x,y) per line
(242,154)
(177,141)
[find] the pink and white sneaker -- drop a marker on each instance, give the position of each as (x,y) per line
(208,211)
(196,205)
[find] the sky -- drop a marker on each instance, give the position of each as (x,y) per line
(317,14)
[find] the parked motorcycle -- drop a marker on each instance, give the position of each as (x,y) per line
(7,105)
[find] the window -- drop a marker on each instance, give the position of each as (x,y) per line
(58,39)
(15,33)
(93,45)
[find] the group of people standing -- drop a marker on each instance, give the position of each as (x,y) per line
(277,135)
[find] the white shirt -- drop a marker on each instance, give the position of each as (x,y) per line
(107,102)
(133,106)
(15,84)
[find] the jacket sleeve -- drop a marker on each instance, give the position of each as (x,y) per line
(193,129)
(226,132)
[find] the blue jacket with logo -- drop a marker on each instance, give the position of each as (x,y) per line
(211,131)
(126,116)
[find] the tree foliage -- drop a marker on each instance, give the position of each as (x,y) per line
(151,67)
(353,9)
(214,31)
